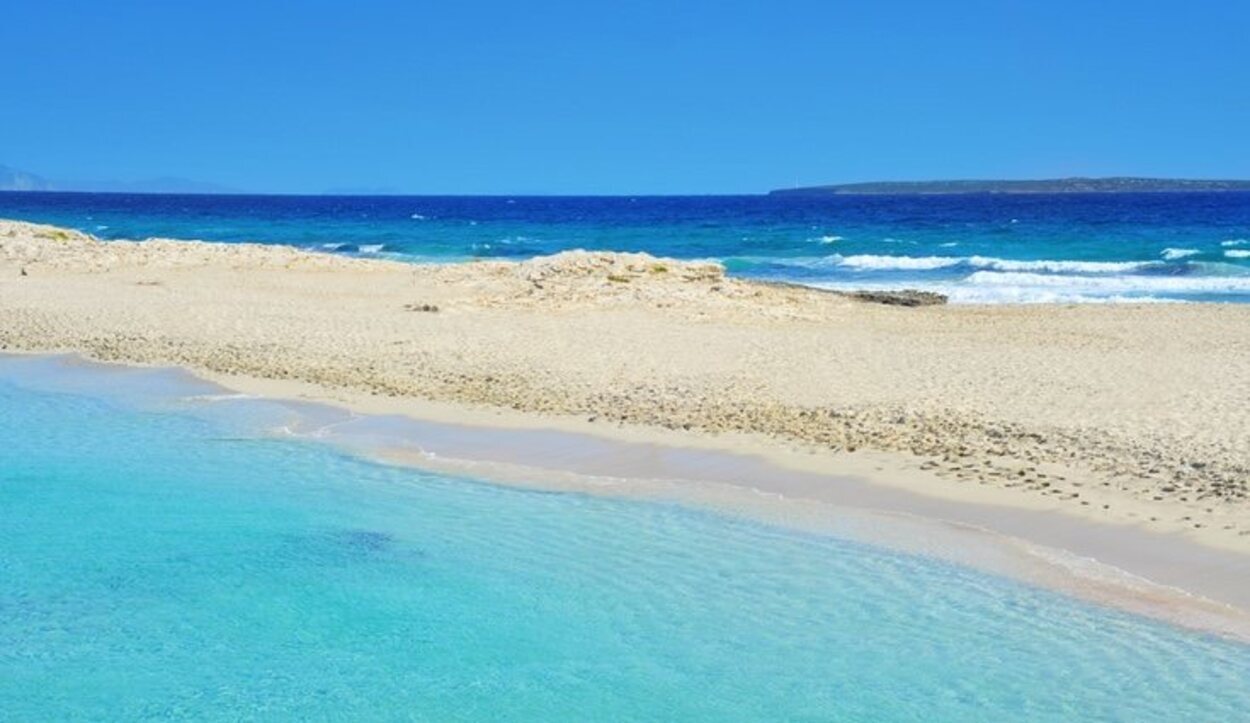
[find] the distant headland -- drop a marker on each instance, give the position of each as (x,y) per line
(1054,185)
(12,179)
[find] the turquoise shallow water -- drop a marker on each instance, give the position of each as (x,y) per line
(157,561)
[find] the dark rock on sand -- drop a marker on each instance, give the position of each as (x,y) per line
(905,297)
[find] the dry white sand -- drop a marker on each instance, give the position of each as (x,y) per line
(1128,415)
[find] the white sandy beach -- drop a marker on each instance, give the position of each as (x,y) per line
(1128,417)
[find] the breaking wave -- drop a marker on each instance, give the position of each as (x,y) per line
(1106,285)
(870,262)
(1011,287)
(992,280)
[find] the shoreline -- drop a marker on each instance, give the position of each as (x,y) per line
(1145,573)
(1125,418)
(880,499)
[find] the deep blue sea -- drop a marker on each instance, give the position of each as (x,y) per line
(975,248)
(163,559)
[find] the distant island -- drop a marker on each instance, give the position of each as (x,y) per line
(12,179)
(1054,185)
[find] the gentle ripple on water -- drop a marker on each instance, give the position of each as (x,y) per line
(152,565)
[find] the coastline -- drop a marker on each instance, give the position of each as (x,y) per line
(989,418)
(879,500)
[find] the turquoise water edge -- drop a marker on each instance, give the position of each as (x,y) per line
(161,557)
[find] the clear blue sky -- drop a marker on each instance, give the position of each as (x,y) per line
(622,97)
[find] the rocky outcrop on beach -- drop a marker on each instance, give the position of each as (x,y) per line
(905,297)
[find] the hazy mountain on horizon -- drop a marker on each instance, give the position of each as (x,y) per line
(12,179)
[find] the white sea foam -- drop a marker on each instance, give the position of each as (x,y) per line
(417,217)
(1234,242)
(1025,295)
(1108,285)
(899,263)
(1174,254)
(1237,254)
(353,248)
(831,239)
(1001,294)
(1057,267)
(1026,287)
(927,263)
